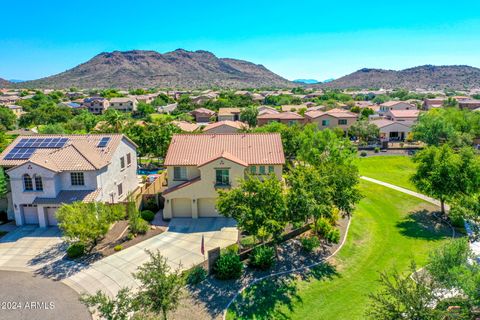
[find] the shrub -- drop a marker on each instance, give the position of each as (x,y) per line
(196,275)
(310,243)
(262,257)
(228,266)
(376,150)
(118,247)
(130,236)
(333,235)
(150,204)
(324,228)
(232,248)
(139,226)
(75,250)
(147,215)
(363,154)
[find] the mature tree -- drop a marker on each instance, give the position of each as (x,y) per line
(185,105)
(115,119)
(144,109)
(162,100)
(7,119)
(405,297)
(87,222)
(117,308)
(152,139)
(447,125)
(160,288)
(366,112)
(466,207)
(46,114)
(290,136)
(443,173)
(450,102)
(84,121)
(52,129)
(249,115)
(364,131)
(257,205)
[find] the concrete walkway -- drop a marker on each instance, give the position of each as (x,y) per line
(180,244)
(407,191)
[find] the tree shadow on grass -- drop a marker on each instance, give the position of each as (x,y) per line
(274,298)
(423,224)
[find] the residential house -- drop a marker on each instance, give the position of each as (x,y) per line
(334,118)
(202,115)
(395,105)
(392,130)
(469,104)
(47,171)
(17,110)
(124,104)
(198,165)
(8,99)
(267,109)
(433,103)
(289,118)
(96,105)
(169,108)
(409,116)
(186,126)
(225,126)
(232,114)
(294,107)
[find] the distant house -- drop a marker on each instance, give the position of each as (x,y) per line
(145,98)
(335,118)
(198,165)
(392,130)
(124,104)
(267,109)
(186,126)
(17,110)
(409,116)
(169,108)
(8,99)
(294,108)
(433,103)
(469,104)
(47,171)
(395,105)
(204,97)
(96,105)
(202,115)
(289,118)
(232,114)
(225,126)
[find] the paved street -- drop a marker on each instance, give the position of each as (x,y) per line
(37,298)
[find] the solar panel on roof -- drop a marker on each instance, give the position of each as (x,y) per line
(42,143)
(20,153)
(103,142)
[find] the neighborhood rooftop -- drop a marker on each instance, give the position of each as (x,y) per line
(254,148)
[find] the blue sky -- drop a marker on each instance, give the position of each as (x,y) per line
(296,39)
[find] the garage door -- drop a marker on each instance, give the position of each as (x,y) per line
(206,207)
(51,218)
(30,215)
(181,208)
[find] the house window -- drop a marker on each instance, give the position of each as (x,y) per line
(222,177)
(325,123)
(129,159)
(27,183)
(271,169)
(179,173)
(122,163)
(77,178)
(120,189)
(342,122)
(262,169)
(253,170)
(38,183)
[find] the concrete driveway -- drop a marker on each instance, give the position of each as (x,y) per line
(180,244)
(26,297)
(28,248)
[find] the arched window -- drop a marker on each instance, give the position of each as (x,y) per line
(27,183)
(38,183)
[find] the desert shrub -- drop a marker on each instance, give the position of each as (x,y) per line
(376,150)
(139,226)
(262,257)
(75,250)
(228,266)
(196,275)
(130,236)
(310,243)
(363,154)
(118,247)
(147,215)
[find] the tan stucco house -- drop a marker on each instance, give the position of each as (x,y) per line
(392,130)
(202,115)
(288,118)
(198,165)
(331,119)
(225,126)
(232,114)
(395,105)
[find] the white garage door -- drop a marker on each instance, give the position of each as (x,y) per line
(51,218)
(206,207)
(30,215)
(182,208)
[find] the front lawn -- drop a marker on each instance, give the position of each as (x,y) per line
(396,170)
(388,229)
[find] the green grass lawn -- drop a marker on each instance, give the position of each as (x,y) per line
(388,230)
(396,170)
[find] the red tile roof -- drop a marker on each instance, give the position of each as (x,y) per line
(405,113)
(250,148)
(282,116)
(234,124)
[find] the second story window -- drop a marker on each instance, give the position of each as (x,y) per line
(179,173)
(38,183)
(27,183)
(77,178)
(342,122)
(271,169)
(222,177)
(129,159)
(325,123)
(253,170)
(262,169)
(122,163)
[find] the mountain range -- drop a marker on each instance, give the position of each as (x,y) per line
(457,77)
(176,69)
